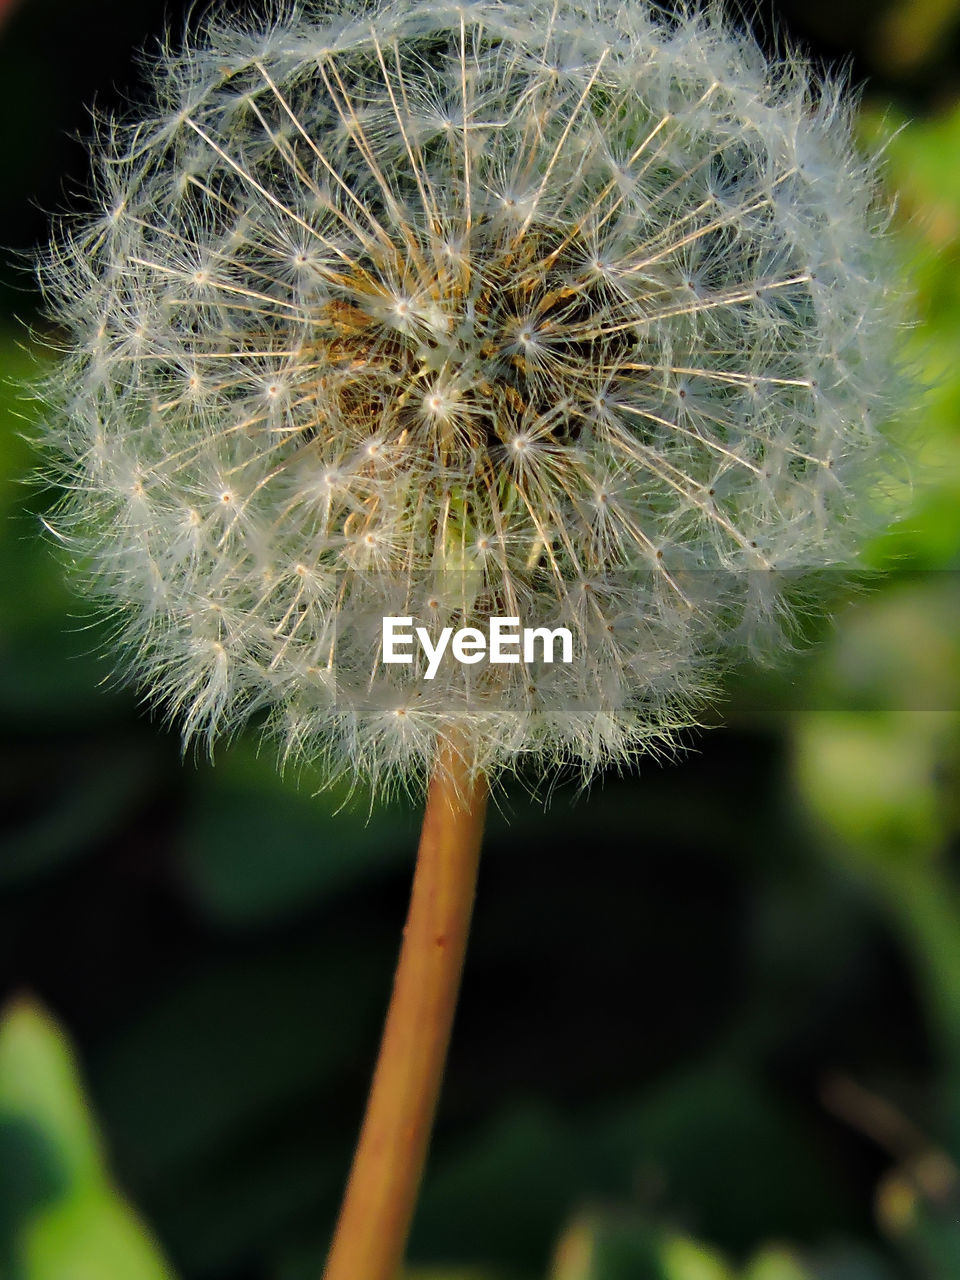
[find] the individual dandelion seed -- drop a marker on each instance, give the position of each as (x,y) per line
(573,314)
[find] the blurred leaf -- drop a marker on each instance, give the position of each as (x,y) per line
(503,1194)
(58,809)
(932,1240)
(39,1085)
(881,788)
(241,1040)
(912,31)
(685,1259)
(921,167)
(48,642)
(874,779)
(776,1264)
(619,1247)
(17,367)
(77,1226)
(257,848)
(896,649)
(715,1132)
(707,1136)
(445,1273)
(852,1262)
(838,1262)
(91,1236)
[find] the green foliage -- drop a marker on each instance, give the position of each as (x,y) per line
(257,847)
(880,785)
(608,1249)
(61,1218)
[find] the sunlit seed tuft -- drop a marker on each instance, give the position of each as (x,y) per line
(581,314)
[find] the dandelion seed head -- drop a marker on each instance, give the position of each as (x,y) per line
(574,312)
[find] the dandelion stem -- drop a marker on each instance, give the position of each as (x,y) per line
(381,1194)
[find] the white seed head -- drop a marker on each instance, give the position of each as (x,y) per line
(576,312)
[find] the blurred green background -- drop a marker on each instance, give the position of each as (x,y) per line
(710,1026)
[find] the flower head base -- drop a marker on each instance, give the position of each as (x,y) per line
(521,308)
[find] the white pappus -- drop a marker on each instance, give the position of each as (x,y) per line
(579,313)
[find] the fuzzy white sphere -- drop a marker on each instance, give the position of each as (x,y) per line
(572,312)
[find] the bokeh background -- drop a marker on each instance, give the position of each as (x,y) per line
(710,1026)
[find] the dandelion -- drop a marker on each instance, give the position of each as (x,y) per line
(574,314)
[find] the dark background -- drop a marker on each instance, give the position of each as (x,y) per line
(710,1026)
